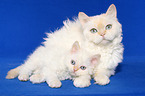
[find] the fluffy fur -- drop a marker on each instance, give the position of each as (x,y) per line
(54,62)
(106,41)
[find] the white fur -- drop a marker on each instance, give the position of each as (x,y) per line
(109,45)
(51,60)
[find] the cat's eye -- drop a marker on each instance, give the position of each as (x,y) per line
(109,26)
(93,30)
(73,62)
(83,67)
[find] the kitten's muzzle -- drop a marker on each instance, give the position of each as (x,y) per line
(76,68)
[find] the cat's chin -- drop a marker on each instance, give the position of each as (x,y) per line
(103,42)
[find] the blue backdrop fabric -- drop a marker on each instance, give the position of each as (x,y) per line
(23,24)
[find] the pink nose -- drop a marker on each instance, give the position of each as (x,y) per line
(102,34)
(75,70)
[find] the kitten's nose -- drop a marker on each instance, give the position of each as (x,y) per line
(75,68)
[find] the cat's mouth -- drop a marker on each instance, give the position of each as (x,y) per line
(103,42)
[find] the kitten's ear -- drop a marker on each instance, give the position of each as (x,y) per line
(75,47)
(112,11)
(95,59)
(83,18)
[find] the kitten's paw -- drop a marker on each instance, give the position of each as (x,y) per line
(102,79)
(55,84)
(23,77)
(36,78)
(78,82)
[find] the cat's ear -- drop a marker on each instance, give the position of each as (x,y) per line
(75,47)
(95,59)
(83,18)
(112,11)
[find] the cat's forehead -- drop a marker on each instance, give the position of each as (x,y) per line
(100,20)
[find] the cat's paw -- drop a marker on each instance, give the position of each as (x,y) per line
(36,78)
(102,79)
(23,77)
(79,82)
(55,84)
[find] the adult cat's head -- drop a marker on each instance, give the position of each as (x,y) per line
(101,29)
(79,62)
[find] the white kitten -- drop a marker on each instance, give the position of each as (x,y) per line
(103,34)
(72,64)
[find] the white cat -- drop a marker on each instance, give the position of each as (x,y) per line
(71,64)
(103,34)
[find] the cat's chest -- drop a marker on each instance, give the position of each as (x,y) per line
(94,49)
(106,52)
(110,55)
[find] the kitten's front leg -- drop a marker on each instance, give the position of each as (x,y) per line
(101,76)
(51,79)
(53,82)
(82,81)
(25,71)
(37,78)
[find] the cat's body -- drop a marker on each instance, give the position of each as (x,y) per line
(52,62)
(101,34)
(111,56)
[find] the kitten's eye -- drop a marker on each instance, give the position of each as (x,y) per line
(109,26)
(73,62)
(83,67)
(93,30)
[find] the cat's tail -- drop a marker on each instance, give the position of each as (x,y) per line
(13,73)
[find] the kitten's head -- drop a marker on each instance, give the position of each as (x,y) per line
(101,29)
(79,62)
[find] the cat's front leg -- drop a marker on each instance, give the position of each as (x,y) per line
(82,81)
(101,76)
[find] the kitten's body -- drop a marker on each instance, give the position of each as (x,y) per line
(51,62)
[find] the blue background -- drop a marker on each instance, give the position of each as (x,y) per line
(23,24)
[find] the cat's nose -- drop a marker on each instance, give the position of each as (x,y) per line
(102,34)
